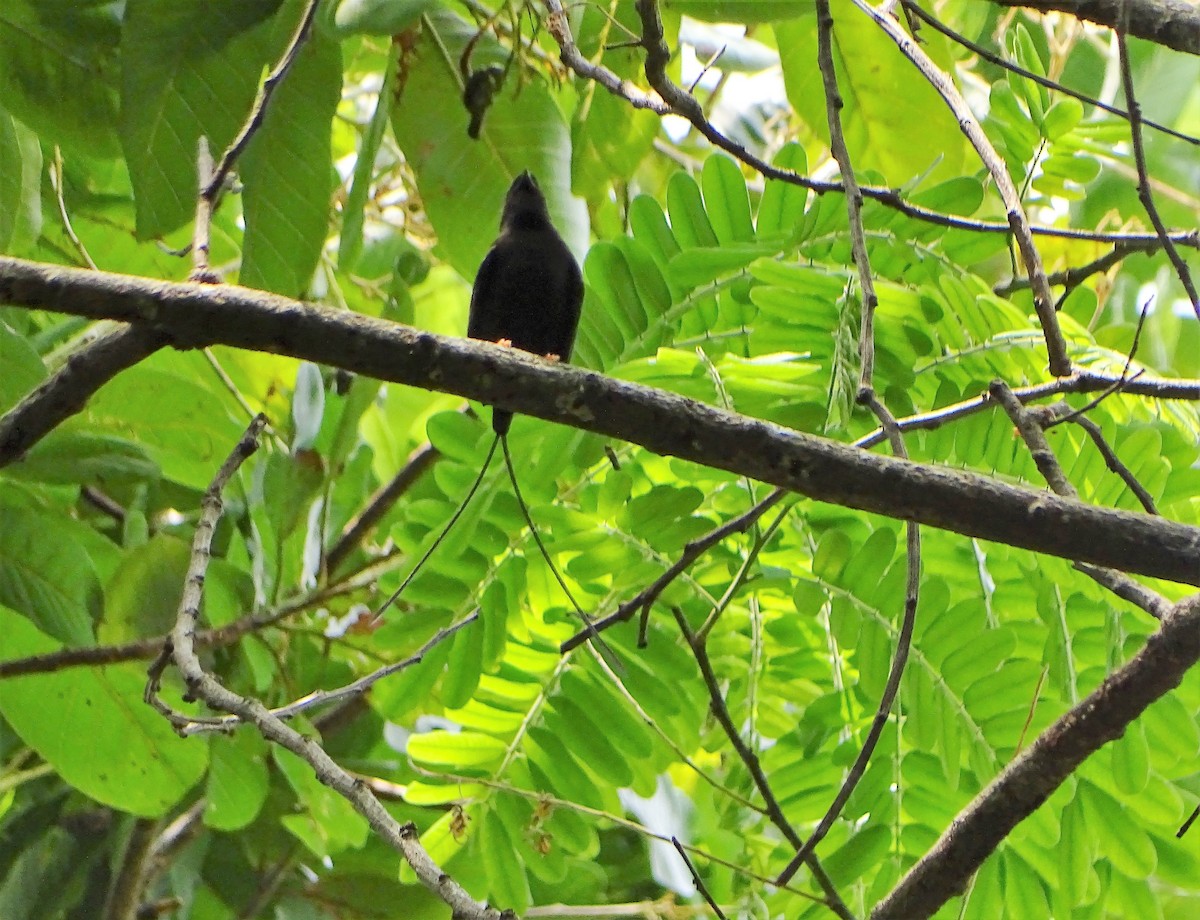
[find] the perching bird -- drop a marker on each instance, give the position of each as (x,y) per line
(529,289)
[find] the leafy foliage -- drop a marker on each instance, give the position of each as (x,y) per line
(532,775)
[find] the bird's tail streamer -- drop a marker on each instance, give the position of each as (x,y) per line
(445,530)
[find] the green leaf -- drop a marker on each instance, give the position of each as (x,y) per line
(20,185)
(457,750)
(187,70)
(67,457)
(694,267)
(884,94)
(463,182)
(58,70)
(380,17)
(586,739)
(287,174)
(142,597)
(726,200)
(174,418)
(464,668)
(329,823)
(864,850)
(782,205)
(689,220)
(23,369)
(237,781)
(47,576)
(103,739)
(505,870)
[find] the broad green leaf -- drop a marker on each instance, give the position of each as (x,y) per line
(455,750)
(58,71)
(20,185)
(463,182)
(142,597)
(884,94)
(237,781)
(179,422)
(99,718)
(188,70)
(74,457)
(47,576)
(380,17)
(23,369)
(287,173)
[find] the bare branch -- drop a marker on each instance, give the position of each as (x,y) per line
(1032,777)
(1039,448)
(966,503)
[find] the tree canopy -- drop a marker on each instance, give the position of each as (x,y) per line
(848,569)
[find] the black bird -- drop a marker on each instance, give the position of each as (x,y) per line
(529,289)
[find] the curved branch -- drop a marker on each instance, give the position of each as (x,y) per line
(1033,776)
(194,315)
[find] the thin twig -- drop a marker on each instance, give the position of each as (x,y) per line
(1071,278)
(258,111)
(993,58)
(202,226)
(1113,462)
(672,100)
(203,686)
(854,199)
(59,186)
(1043,456)
(720,711)
(691,552)
(141,649)
(700,886)
(1043,298)
(1139,158)
(903,644)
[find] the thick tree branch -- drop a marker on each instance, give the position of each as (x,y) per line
(1174,23)
(193,316)
(1033,776)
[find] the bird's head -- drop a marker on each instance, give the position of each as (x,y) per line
(525,205)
